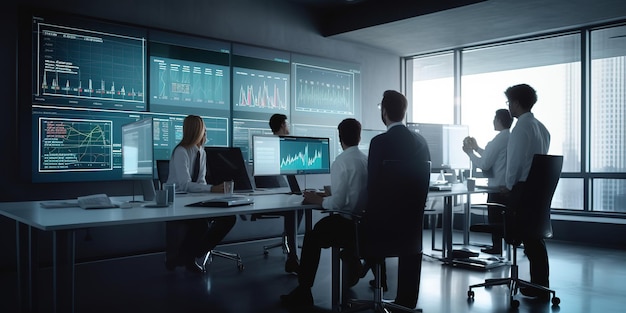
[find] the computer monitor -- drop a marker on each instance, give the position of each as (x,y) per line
(226,163)
(138,155)
(445,143)
(290,155)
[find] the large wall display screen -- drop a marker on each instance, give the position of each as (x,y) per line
(189,80)
(77,145)
(260,82)
(324,91)
(87,67)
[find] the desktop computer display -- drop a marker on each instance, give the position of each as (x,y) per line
(445,144)
(290,155)
(138,155)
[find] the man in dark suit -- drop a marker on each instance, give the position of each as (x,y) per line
(398,143)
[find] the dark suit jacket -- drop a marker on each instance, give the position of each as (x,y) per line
(398,143)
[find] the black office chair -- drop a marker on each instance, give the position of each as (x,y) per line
(527,216)
(395,229)
(172,228)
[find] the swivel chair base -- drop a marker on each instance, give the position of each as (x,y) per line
(208,258)
(282,243)
(514,283)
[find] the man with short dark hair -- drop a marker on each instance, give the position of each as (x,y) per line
(528,137)
(348,177)
(397,143)
(492,161)
(279,125)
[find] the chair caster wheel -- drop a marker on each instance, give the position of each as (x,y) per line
(514,304)
(240,267)
(470,294)
(266,253)
(556,301)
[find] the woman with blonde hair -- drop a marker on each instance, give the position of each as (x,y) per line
(188,171)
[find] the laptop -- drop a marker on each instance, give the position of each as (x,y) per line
(223,202)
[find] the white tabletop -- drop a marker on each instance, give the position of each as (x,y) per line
(33,214)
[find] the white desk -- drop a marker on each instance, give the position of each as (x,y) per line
(446,225)
(63,222)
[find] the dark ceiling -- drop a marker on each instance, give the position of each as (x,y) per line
(333,17)
(411,27)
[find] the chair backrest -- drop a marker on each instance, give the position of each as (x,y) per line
(163,170)
(395,228)
(528,208)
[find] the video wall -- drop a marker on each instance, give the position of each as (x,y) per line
(89,77)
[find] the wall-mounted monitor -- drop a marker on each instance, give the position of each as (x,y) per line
(324,91)
(290,155)
(445,143)
(78,62)
(189,75)
(71,145)
(138,149)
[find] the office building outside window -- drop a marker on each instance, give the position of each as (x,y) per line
(608,117)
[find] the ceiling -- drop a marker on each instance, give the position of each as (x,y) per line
(410,27)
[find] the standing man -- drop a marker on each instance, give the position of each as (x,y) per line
(398,143)
(280,127)
(492,161)
(348,178)
(529,137)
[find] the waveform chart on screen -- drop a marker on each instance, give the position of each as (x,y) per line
(190,84)
(260,91)
(304,156)
(81,67)
(323,90)
(75,145)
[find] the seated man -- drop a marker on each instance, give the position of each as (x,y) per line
(348,176)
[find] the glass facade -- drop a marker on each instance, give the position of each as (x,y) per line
(587,124)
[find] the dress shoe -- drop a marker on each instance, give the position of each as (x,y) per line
(292,265)
(300,297)
(491,251)
(384,285)
(535,293)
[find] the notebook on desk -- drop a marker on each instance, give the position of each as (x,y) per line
(223,202)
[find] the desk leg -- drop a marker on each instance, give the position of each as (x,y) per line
(336,294)
(467,222)
(27,267)
(63,270)
(446,226)
(308,216)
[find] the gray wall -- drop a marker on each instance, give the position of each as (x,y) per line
(271,24)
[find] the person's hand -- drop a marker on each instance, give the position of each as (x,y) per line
(471,141)
(467,149)
(311,197)
(218,188)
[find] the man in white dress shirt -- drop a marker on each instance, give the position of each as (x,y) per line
(492,161)
(528,137)
(348,177)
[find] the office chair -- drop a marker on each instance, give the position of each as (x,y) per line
(393,228)
(527,216)
(171,228)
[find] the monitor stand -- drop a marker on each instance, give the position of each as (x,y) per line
(147,189)
(293,185)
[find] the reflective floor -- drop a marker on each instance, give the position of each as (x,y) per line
(586,279)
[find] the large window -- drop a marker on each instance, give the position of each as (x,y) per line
(587,127)
(433,89)
(607,117)
(551,66)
